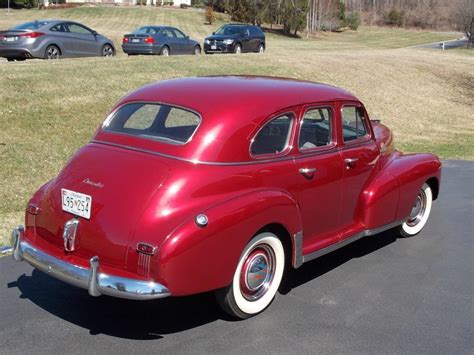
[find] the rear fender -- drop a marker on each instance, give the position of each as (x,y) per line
(196,259)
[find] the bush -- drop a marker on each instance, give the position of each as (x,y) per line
(352,20)
(394,18)
(210,16)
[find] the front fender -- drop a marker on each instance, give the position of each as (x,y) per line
(196,259)
(390,195)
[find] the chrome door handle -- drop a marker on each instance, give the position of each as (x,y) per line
(350,162)
(307,171)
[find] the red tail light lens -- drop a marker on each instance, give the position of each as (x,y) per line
(149,40)
(125,40)
(31,34)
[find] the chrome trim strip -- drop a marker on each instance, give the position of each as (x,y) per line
(349,240)
(297,259)
(90,279)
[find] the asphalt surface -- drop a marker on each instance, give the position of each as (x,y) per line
(378,295)
(456,43)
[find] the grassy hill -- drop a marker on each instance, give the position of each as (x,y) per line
(49,109)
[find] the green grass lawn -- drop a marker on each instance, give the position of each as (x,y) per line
(49,109)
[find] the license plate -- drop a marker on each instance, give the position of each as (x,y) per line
(10,39)
(135,40)
(213,47)
(76,203)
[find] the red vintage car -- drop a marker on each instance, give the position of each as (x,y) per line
(222,183)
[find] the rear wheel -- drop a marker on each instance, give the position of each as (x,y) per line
(197,50)
(238,49)
(165,51)
(419,213)
(52,52)
(107,51)
(256,279)
(10,59)
(261,49)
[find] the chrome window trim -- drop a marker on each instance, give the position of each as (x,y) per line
(111,115)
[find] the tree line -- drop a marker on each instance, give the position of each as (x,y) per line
(331,15)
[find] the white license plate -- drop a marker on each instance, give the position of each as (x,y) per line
(10,39)
(213,47)
(76,203)
(135,40)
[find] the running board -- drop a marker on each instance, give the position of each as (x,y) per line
(316,254)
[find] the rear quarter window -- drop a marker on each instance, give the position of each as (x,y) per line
(273,138)
(159,122)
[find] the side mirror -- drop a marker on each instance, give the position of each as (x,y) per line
(213,33)
(94,33)
(187,37)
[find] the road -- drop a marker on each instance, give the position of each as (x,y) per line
(378,295)
(455,43)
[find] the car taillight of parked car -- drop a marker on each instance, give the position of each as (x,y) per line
(149,40)
(125,40)
(31,34)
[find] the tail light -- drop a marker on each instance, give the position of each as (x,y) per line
(125,40)
(33,209)
(31,34)
(149,40)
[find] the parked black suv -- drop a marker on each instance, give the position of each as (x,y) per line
(235,38)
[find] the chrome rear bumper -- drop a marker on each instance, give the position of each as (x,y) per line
(90,279)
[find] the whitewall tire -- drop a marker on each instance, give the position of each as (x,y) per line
(257,277)
(419,213)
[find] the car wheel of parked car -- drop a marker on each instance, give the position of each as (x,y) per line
(52,52)
(197,50)
(257,277)
(10,59)
(419,213)
(165,51)
(261,49)
(107,50)
(237,49)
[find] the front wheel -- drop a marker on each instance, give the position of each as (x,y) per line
(261,49)
(419,213)
(107,51)
(197,50)
(256,279)
(237,49)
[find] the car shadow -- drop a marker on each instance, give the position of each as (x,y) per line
(153,319)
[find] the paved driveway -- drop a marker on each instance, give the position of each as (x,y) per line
(378,295)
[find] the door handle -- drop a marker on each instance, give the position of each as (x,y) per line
(307,172)
(350,162)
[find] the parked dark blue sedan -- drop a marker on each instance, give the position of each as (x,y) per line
(162,40)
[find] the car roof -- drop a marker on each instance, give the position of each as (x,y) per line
(232,109)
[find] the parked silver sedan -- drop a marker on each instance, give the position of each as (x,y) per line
(53,39)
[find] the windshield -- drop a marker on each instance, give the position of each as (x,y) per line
(30,25)
(230,30)
(153,121)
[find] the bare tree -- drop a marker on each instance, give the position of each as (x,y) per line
(463,16)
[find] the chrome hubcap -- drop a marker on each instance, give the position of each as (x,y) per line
(257,273)
(165,52)
(238,50)
(418,210)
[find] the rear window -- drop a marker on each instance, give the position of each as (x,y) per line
(273,138)
(154,121)
(30,25)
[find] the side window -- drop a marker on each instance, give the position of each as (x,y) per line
(58,28)
(167,33)
(353,123)
(75,28)
(151,31)
(273,137)
(178,33)
(315,128)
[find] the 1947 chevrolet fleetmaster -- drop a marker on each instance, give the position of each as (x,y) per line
(222,183)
